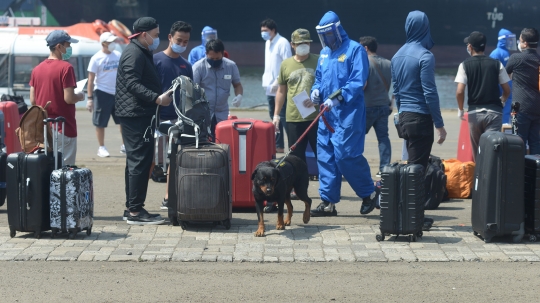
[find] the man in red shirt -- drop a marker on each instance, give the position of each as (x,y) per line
(54,80)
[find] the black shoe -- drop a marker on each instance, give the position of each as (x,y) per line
(428,223)
(144,218)
(294,196)
(325,209)
(165,204)
(270,207)
(379,174)
(369,203)
(126,214)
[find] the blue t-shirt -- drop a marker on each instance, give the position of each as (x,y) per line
(169,69)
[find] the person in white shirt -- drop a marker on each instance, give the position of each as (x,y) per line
(277,49)
(102,87)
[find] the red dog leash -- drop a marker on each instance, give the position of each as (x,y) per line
(320,115)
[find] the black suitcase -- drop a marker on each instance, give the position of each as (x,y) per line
(497,199)
(532,196)
(402,201)
(203,185)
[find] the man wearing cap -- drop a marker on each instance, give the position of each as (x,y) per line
(138,92)
(101,88)
(54,80)
(524,67)
(482,75)
(216,74)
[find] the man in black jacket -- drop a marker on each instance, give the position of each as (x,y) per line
(138,92)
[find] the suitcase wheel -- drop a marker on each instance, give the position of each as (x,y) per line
(412,238)
(183,224)
(379,237)
(89,231)
(54,231)
(532,238)
(419,234)
(12,233)
(37,234)
(227,224)
(475,233)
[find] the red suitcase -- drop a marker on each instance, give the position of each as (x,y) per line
(11,122)
(464,152)
(251,142)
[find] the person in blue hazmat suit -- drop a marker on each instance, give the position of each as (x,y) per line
(199,52)
(340,78)
(506,42)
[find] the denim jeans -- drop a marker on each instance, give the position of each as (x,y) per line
(377,117)
(282,121)
(418,131)
(529,131)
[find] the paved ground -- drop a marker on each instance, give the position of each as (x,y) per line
(348,237)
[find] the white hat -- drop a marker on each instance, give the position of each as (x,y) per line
(107,37)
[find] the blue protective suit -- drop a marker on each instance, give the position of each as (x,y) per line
(502,54)
(340,153)
(413,71)
(199,52)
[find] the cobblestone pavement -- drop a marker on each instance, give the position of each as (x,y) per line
(349,243)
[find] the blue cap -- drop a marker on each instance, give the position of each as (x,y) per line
(59,36)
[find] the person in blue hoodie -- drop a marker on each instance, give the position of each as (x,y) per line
(199,52)
(506,42)
(417,100)
(342,66)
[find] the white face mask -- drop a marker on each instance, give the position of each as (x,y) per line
(519,46)
(302,49)
(111,46)
(468,51)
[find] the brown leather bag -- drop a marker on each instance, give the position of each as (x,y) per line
(30,131)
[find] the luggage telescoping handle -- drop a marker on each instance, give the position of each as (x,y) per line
(56,151)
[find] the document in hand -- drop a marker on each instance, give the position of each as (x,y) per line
(299,102)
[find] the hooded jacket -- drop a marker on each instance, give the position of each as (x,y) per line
(199,52)
(413,71)
(137,82)
(501,53)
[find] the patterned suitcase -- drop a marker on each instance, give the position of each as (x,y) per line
(402,201)
(71,201)
(203,185)
(497,207)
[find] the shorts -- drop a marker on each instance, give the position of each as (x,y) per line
(103,109)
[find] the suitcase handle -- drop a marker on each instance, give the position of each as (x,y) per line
(242,130)
(56,149)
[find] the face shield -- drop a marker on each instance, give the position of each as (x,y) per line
(329,35)
(209,35)
(511,41)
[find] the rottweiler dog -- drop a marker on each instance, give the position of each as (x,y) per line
(275,183)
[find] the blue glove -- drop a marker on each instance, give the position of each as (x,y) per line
(329,103)
(315,96)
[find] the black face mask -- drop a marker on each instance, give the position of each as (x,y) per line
(214,63)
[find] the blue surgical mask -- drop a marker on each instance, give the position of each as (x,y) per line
(265,36)
(68,53)
(155,43)
(214,63)
(178,48)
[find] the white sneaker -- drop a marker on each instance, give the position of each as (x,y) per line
(102,152)
(123,149)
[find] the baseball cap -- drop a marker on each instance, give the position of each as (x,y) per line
(300,35)
(476,39)
(143,24)
(107,37)
(59,36)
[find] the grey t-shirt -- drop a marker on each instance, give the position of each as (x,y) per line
(376,93)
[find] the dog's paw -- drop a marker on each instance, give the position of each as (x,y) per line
(259,233)
(306,217)
(280,227)
(287,222)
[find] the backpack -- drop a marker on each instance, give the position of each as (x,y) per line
(19,100)
(193,110)
(30,130)
(435,183)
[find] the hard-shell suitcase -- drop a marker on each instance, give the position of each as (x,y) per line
(11,122)
(402,201)
(251,142)
(311,161)
(203,184)
(532,196)
(464,151)
(497,199)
